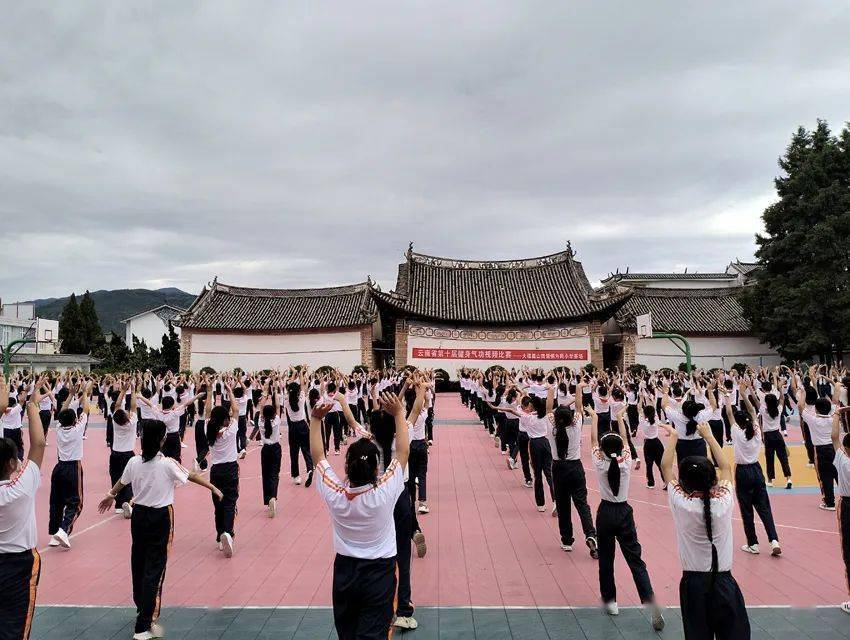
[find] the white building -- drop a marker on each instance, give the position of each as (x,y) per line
(18,321)
(151,325)
(254,329)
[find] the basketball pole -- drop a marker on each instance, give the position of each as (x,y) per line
(685,346)
(7,353)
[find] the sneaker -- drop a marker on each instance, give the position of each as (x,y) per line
(143,635)
(227,545)
(611,608)
(751,548)
(53,542)
(655,616)
(183,445)
(637,464)
(770,483)
(419,543)
(845,606)
(118,511)
(336,452)
(594,550)
(423,508)
(650,485)
(554,511)
(65,541)
(272,507)
(127,510)
(824,506)
(775,549)
(529,484)
(242,454)
(430,443)
(541,508)
(567,547)
(309,479)
(218,544)
(157,631)
(788,483)
(297,480)
(504,453)
(728,441)
(405,622)
(496,441)
(810,465)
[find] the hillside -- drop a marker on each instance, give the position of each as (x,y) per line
(114,306)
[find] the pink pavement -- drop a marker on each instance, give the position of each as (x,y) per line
(487,544)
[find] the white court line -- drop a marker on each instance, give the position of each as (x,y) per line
(314,607)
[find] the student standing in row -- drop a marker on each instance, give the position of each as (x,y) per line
(20,563)
(153,477)
(822,420)
(125,428)
(297,414)
(701,505)
(615,521)
(270,454)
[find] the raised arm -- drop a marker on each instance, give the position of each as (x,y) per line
(393,404)
(317,447)
(36,433)
(724,468)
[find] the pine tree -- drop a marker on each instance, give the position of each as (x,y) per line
(800,303)
(71,329)
(170,350)
(90,323)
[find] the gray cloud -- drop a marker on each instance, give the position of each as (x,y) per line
(296,144)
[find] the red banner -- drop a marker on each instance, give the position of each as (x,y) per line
(500,354)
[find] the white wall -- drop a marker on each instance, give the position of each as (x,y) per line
(579,340)
(706,353)
(224,352)
(148,327)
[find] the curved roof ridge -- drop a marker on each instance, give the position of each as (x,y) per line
(291,293)
(517,263)
(680,292)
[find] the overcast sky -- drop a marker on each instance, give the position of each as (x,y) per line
(302,144)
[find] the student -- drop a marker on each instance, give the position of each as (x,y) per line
(750,488)
(20,563)
(270,453)
(653,449)
(770,413)
(66,480)
(240,399)
(361,511)
(170,413)
(685,420)
(153,477)
(701,504)
(11,422)
(568,477)
(222,425)
(125,423)
(615,521)
(418,462)
(821,420)
(299,433)
(841,444)
(534,417)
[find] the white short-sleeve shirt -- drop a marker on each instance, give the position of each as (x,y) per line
(124,436)
(154,481)
(17,510)
(694,546)
(842,466)
(362,517)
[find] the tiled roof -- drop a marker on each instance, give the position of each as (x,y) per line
(626,277)
(687,311)
(228,308)
(549,288)
(745,268)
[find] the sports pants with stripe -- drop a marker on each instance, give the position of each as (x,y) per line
(19,574)
(151,529)
(66,496)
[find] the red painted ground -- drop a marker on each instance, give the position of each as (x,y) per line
(487,543)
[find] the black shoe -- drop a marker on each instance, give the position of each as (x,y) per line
(309,479)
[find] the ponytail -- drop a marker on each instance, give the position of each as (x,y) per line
(268,417)
(153,433)
(614,475)
(649,413)
(218,416)
(771,403)
(706,514)
(698,475)
(611,444)
(294,391)
(564,418)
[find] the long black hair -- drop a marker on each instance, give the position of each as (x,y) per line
(611,445)
(649,413)
(745,421)
(153,435)
(564,419)
(771,403)
(361,463)
(382,425)
(269,413)
(691,409)
(698,475)
(8,453)
(294,395)
(219,417)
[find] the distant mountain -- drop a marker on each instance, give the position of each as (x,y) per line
(114,306)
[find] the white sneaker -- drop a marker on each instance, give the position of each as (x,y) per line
(296,480)
(529,484)
(419,543)
(567,547)
(655,616)
(554,511)
(496,441)
(775,549)
(143,635)
(423,508)
(611,608)
(127,510)
(751,548)
(770,483)
(227,545)
(157,631)
(810,465)
(788,483)
(183,445)
(272,507)
(242,454)
(823,506)
(118,511)
(405,622)
(541,509)
(53,542)
(845,606)
(63,539)
(309,479)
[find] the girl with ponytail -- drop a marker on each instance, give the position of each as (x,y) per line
(750,488)
(615,520)
(685,419)
(297,415)
(653,449)
(701,504)
(770,411)
(270,454)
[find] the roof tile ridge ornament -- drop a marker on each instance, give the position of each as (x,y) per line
(521,263)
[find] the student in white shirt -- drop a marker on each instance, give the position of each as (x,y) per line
(298,434)
(615,521)
(770,412)
(240,399)
(701,505)
(361,511)
(270,454)
(222,428)
(11,423)
(124,430)
(153,477)
(20,563)
(841,444)
(66,480)
(822,419)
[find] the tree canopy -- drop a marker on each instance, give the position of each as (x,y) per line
(800,302)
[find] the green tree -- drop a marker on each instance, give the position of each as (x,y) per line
(170,351)
(71,328)
(800,302)
(90,323)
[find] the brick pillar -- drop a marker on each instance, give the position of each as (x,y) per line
(629,342)
(185,350)
(400,343)
(367,354)
(595,330)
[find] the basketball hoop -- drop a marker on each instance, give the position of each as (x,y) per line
(644,325)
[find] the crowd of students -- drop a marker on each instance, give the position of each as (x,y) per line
(383,422)
(536,419)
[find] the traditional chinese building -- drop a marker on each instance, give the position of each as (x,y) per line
(447,313)
(254,329)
